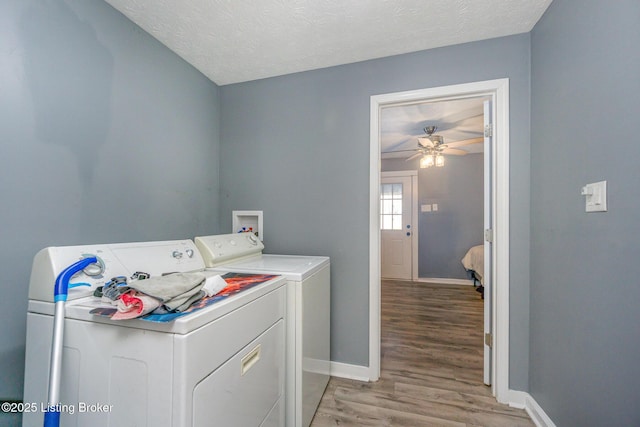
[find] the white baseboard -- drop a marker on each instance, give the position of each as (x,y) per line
(444,281)
(537,414)
(518,399)
(352,372)
(523,400)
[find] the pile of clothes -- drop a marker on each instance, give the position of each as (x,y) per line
(169,293)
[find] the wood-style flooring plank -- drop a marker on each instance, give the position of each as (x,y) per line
(431,366)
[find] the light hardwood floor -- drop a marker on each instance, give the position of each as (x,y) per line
(431,366)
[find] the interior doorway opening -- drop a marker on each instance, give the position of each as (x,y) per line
(497,338)
(441,143)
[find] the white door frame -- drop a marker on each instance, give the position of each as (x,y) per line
(414,214)
(498,90)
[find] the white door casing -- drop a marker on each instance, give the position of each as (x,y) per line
(487,278)
(498,91)
(396,227)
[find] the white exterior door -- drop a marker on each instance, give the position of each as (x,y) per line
(396,229)
(488,220)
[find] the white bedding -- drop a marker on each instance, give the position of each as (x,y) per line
(474,260)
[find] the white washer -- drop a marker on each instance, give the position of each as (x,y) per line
(220,365)
(308,313)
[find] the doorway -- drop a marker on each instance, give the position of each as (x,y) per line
(497,339)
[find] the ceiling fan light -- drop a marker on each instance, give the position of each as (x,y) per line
(426,161)
(439,161)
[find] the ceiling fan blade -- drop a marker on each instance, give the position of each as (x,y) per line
(394,142)
(464,142)
(454,151)
(400,151)
(451,121)
(425,142)
(414,156)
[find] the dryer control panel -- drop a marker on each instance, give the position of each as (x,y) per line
(117,259)
(222,248)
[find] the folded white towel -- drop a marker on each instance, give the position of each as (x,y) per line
(213,285)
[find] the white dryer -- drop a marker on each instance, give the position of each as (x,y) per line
(220,365)
(308,313)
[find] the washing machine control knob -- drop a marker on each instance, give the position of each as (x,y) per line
(189,253)
(95,269)
(177,254)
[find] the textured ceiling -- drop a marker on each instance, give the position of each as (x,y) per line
(235,41)
(456,121)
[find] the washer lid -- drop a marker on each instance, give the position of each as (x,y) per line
(293,267)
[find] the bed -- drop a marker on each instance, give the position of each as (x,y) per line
(473,262)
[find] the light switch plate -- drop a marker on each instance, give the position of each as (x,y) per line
(595,197)
(425,208)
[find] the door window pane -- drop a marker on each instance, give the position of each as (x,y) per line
(396,207)
(387,223)
(387,207)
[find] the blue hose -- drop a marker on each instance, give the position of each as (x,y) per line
(62,281)
(52,416)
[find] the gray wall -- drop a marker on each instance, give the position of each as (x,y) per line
(445,236)
(585,295)
(297,147)
(105,136)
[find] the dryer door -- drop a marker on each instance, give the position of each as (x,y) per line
(244,389)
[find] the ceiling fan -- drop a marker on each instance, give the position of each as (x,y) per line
(432,148)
